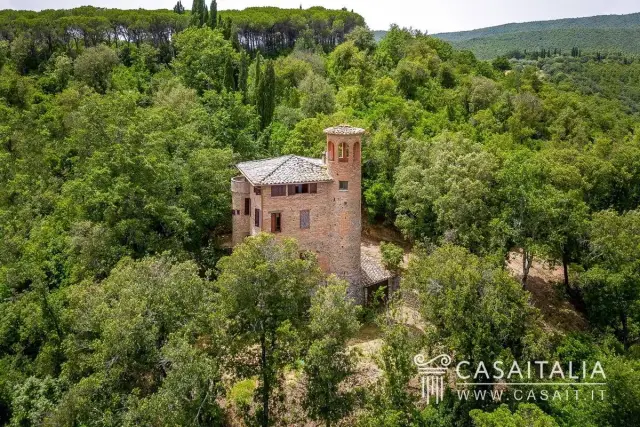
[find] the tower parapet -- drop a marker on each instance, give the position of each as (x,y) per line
(343,160)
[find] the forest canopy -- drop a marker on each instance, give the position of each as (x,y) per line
(120,303)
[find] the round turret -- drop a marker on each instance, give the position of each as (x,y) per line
(344,165)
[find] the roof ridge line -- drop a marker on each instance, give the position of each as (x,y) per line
(287,158)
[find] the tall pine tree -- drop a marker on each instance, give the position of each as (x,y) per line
(213,15)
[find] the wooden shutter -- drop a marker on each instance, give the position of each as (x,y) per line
(292,190)
(313,188)
(278,190)
(247,206)
(273,223)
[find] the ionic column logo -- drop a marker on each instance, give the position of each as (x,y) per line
(432,375)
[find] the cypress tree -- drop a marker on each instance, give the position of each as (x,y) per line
(196,12)
(199,13)
(213,15)
(243,74)
(267,95)
(226,29)
(229,80)
(205,15)
(258,77)
(178,8)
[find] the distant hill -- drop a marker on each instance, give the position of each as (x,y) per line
(604,33)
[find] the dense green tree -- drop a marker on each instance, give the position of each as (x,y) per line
(612,285)
(329,363)
(392,256)
(392,402)
(121,331)
(501,63)
(265,292)
(202,55)
(527,414)
(362,38)
(478,311)
(317,96)
(266,94)
(93,67)
(444,191)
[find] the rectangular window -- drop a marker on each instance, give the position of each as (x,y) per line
(305,219)
(343,185)
(247,206)
(313,188)
(298,189)
(276,222)
(257,191)
(257,217)
(278,190)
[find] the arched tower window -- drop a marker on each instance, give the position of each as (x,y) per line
(343,152)
(356,152)
(331,150)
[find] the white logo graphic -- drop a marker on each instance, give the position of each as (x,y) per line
(432,375)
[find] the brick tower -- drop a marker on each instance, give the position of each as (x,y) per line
(344,166)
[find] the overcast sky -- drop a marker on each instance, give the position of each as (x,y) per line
(431,15)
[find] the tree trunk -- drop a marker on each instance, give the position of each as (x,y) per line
(527,257)
(265,382)
(625,331)
(565,270)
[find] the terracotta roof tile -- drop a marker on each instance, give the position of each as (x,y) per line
(288,169)
(344,130)
(372,271)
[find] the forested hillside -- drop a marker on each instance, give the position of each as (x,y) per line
(119,304)
(268,29)
(606,33)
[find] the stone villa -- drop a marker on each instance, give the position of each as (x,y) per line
(316,201)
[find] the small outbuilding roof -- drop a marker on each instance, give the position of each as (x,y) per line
(290,169)
(372,271)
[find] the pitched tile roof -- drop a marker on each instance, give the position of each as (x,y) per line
(372,271)
(288,169)
(344,130)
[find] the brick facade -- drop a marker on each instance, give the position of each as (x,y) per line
(334,213)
